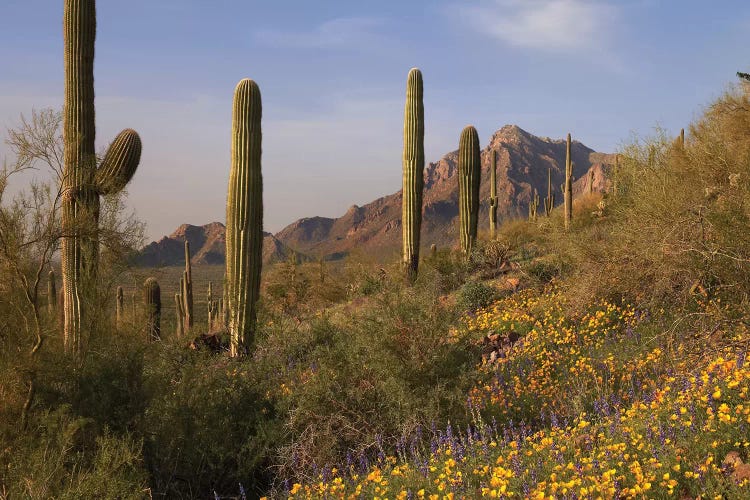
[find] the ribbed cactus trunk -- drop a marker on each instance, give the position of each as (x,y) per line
(119,307)
(179,316)
(152,304)
(549,201)
(211,307)
(187,290)
(82,181)
(469,172)
(51,293)
(533,206)
(493,193)
(413,175)
(244,233)
(568,189)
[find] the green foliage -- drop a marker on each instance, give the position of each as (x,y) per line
(475,295)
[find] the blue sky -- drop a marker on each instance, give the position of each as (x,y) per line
(333,73)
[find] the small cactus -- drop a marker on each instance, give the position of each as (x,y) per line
(682,138)
(179,316)
(152,304)
(591,181)
(413,172)
(119,307)
(493,193)
(433,251)
(549,201)
(533,206)
(568,187)
(244,233)
(469,172)
(187,289)
(51,293)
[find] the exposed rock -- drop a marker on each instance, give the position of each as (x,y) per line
(207,245)
(523,162)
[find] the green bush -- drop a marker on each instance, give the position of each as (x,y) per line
(475,295)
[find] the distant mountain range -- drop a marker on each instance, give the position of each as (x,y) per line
(523,161)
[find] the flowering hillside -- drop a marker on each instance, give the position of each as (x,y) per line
(591,407)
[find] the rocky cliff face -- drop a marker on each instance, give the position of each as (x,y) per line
(523,161)
(207,246)
(522,166)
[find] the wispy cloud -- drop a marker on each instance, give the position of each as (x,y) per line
(549,25)
(345,32)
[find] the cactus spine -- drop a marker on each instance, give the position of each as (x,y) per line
(244,234)
(82,181)
(493,194)
(152,304)
(413,175)
(469,171)
(119,307)
(568,188)
(51,293)
(549,201)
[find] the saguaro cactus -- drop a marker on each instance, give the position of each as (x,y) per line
(568,188)
(82,182)
(179,316)
(533,206)
(469,172)
(591,181)
(493,193)
(549,201)
(413,175)
(51,293)
(152,304)
(119,307)
(244,235)
(187,289)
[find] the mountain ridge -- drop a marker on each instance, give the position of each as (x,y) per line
(523,161)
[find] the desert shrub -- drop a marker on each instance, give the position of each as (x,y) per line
(208,425)
(475,295)
(366,374)
(61,455)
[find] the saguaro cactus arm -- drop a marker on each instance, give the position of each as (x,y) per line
(120,162)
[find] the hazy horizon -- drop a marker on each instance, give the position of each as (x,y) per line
(333,77)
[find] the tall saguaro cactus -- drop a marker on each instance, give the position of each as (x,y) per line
(469,172)
(568,188)
(83,182)
(493,193)
(152,304)
(244,234)
(413,176)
